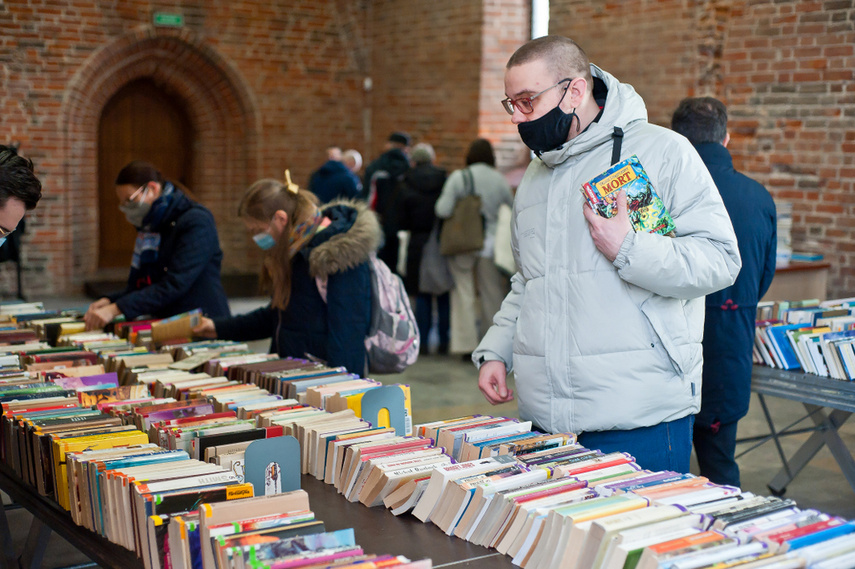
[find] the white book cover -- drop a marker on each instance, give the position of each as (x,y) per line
(440,477)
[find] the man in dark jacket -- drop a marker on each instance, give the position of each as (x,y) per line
(333,180)
(380,189)
(730,313)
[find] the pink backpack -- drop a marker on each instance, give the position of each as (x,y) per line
(392,343)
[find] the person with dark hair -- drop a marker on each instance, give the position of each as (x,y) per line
(333,179)
(20,191)
(18,183)
(420,189)
(479,287)
(317,269)
(380,189)
(730,313)
(176,261)
(603,325)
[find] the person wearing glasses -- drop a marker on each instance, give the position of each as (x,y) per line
(317,268)
(176,261)
(20,190)
(603,326)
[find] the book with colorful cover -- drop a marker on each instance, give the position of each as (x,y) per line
(647,212)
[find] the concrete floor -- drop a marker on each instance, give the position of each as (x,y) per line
(445,387)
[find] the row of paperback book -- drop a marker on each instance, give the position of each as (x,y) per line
(551,503)
(127,461)
(147,473)
(816,337)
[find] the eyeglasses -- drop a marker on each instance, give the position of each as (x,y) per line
(523,104)
(132,196)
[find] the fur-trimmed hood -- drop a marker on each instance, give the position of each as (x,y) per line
(347,242)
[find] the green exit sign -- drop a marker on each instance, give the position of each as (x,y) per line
(166,19)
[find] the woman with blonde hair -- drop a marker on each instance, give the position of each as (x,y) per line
(317,270)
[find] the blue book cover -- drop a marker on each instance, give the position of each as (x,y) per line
(782,345)
(821,535)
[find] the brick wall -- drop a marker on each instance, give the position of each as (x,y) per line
(438,73)
(785,70)
(270,85)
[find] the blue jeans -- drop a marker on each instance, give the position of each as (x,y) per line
(424,317)
(666,446)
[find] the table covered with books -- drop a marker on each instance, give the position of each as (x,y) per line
(204,455)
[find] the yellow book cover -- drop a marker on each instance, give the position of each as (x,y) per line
(61,447)
(354,402)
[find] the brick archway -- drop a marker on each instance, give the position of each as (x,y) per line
(218,104)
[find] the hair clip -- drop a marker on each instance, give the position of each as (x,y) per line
(289,185)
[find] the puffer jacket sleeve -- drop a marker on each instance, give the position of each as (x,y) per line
(498,342)
(255,325)
(703,257)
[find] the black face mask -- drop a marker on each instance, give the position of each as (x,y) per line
(549,131)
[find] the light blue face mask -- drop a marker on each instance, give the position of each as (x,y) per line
(264,240)
(2,240)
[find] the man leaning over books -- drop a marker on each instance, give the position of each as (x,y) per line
(603,325)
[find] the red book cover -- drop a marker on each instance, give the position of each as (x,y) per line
(274,431)
(781,537)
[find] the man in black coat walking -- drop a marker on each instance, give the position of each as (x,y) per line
(731,312)
(380,189)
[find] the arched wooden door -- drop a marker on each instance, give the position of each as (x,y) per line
(140,122)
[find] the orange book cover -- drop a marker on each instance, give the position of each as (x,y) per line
(687,541)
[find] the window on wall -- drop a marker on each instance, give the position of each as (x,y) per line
(539,18)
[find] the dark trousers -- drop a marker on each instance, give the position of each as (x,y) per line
(666,446)
(715,449)
(424,317)
(388,253)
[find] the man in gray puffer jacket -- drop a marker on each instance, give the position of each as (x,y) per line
(603,326)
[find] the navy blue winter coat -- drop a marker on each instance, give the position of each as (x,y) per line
(334,330)
(333,181)
(730,312)
(186,272)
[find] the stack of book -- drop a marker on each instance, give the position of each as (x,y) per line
(143,468)
(816,337)
(148,452)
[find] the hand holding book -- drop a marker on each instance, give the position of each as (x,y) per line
(608,233)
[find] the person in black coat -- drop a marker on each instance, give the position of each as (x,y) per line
(382,177)
(333,179)
(177,256)
(731,312)
(311,249)
(420,189)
